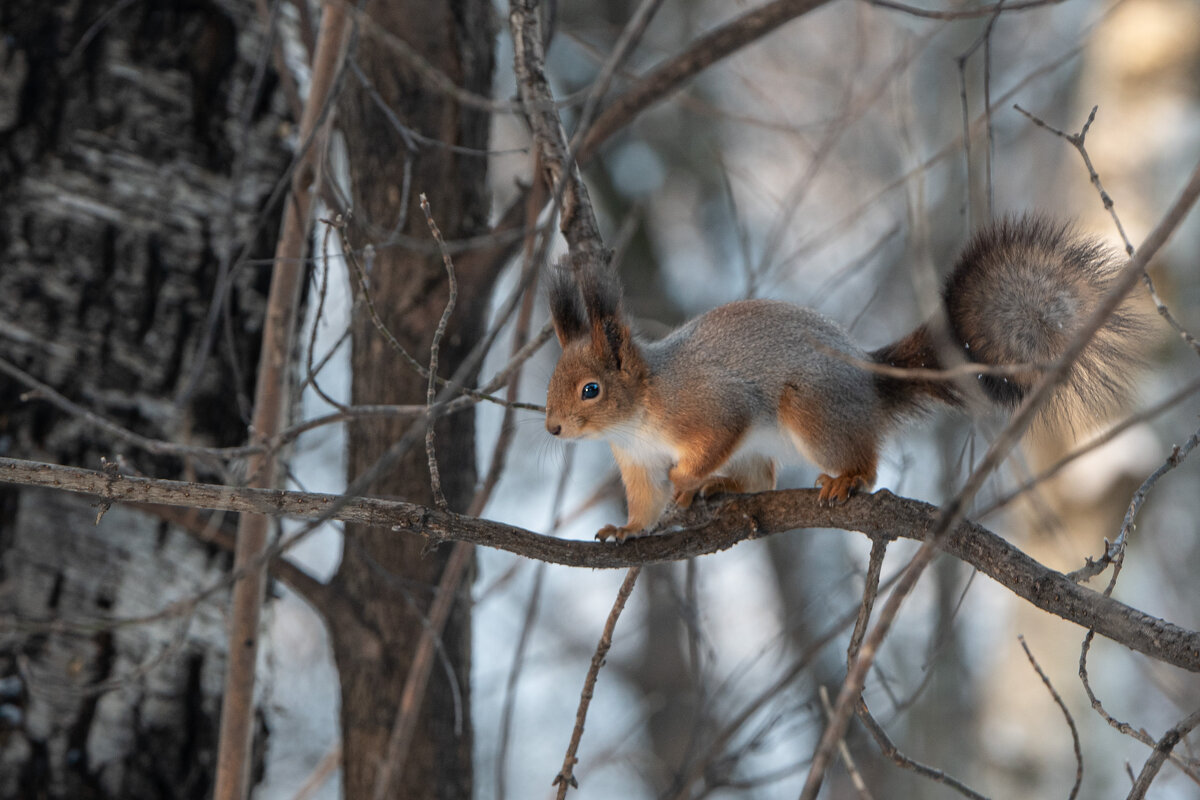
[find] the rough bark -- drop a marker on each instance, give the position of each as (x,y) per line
(388,580)
(125,177)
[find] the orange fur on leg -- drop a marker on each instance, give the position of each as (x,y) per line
(645,497)
(692,473)
(849,449)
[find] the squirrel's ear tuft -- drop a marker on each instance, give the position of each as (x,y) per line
(611,338)
(566,309)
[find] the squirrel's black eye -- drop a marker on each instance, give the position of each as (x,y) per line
(590,390)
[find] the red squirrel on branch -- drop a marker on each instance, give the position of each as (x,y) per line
(712,406)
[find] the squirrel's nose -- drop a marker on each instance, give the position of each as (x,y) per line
(554,430)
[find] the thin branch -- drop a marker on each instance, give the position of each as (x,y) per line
(889,750)
(1140,734)
(325,767)
(566,777)
(435,478)
(474,394)
(1066,713)
(870,592)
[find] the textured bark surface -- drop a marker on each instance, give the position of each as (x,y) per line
(126,177)
(388,580)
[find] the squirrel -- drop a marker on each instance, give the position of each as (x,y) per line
(712,406)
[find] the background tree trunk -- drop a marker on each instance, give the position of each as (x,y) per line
(388,578)
(137,152)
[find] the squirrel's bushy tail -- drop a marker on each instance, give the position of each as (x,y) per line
(1019,294)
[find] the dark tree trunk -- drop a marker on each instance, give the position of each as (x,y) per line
(388,578)
(126,177)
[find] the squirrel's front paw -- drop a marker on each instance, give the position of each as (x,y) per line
(616,533)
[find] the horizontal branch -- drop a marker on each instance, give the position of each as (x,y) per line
(704,529)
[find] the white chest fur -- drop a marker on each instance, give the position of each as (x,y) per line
(644,445)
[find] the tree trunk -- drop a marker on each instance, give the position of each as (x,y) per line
(388,578)
(126,179)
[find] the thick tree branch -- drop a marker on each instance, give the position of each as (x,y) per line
(703,529)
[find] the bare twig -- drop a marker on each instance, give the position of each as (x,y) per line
(566,777)
(310,378)
(1162,749)
(985,41)
(435,478)
(1115,554)
(42,391)
(971,13)
(889,750)
(421,369)
(1140,734)
(870,592)
(621,50)
(1070,720)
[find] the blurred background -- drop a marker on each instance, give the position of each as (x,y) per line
(841,163)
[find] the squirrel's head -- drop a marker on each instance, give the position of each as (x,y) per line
(600,378)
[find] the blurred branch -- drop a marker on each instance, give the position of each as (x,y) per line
(971,13)
(705,528)
(703,53)
(856,779)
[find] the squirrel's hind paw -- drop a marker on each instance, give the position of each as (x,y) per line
(617,533)
(837,490)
